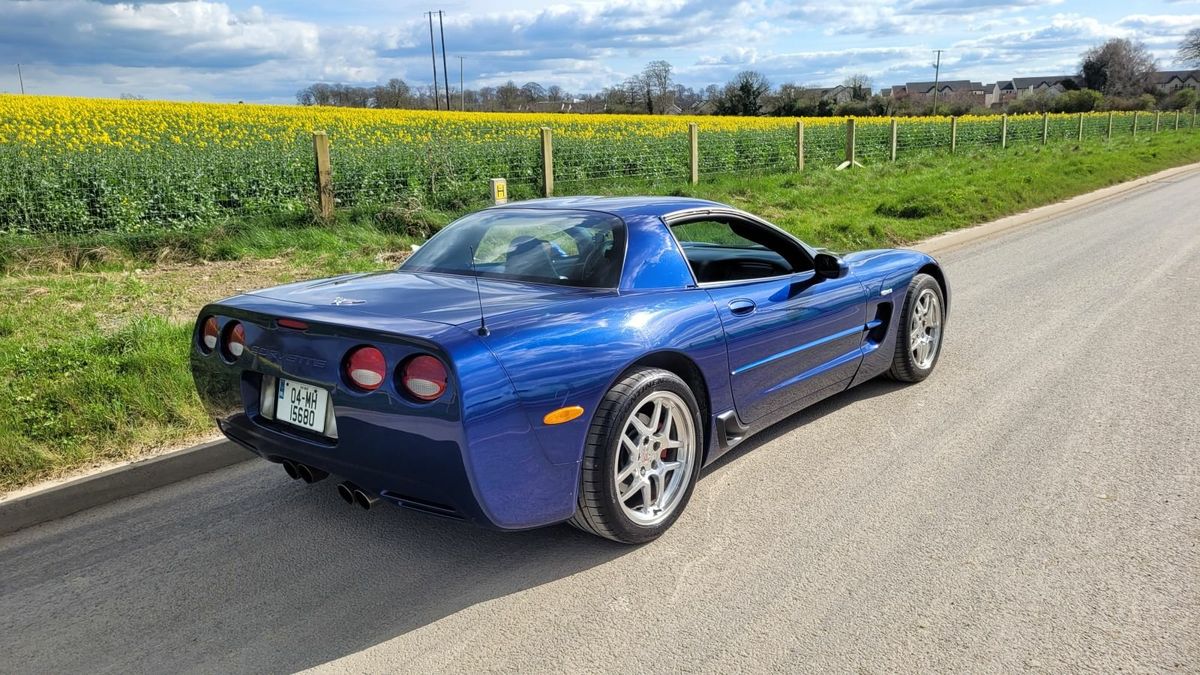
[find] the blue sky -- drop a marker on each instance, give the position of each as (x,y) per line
(264,51)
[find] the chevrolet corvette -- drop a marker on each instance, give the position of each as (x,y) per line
(560,360)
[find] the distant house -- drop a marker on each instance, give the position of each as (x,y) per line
(1005,91)
(1169,81)
(838,95)
(966,91)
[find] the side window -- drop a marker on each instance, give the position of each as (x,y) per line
(730,249)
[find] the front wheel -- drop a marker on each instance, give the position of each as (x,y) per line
(919,342)
(641,459)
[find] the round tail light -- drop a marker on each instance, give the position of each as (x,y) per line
(424,377)
(209,335)
(235,340)
(366,368)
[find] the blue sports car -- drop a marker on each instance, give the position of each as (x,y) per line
(577,359)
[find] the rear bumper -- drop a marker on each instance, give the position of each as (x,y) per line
(409,471)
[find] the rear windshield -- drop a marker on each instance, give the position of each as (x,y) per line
(571,248)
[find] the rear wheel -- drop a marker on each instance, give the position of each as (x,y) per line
(919,342)
(641,460)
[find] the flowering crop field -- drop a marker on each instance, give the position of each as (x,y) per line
(73,165)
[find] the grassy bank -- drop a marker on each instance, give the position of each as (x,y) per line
(94,332)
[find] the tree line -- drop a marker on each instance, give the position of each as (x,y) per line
(1115,75)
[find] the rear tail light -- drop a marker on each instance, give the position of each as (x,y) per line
(424,377)
(235,340)
(209,335)
(365,368)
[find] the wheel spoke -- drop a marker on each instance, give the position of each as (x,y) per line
(665,430)
(627,471)
(656,417)
(667,467)
(636,486)
(648,497)
(640,426)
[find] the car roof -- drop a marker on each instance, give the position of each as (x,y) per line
(622,207)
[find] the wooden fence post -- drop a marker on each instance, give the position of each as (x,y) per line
(1004,131)
(547,161)
(1045,127)
(1176,120)
(694,145)
(799,146)
(895,137)
(324,175)
(1157,120)
(1135,121)
(850,147)
(1080,127)
(1108,134)
(1193,119)
(953,134)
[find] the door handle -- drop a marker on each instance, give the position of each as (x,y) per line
(741,306)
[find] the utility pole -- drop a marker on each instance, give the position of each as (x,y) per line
(437,97)
(462,92)
(445,69)
(937,72)
(21,78)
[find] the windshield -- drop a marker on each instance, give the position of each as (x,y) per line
(572,248)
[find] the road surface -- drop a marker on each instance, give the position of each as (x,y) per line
(1033,505)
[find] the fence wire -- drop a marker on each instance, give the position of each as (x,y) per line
(54,191)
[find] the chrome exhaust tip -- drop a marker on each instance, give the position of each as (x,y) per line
(290,468)
(364,500)
(310,475)
(346,492)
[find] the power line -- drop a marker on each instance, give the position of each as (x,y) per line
(437,97)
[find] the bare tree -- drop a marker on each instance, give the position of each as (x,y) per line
(1119,67)
(859,86)
(1189,48)
(656,77)
(508,96)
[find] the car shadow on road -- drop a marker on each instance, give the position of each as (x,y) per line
(247,570)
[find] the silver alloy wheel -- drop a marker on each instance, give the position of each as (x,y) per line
(656,458)
(925,328)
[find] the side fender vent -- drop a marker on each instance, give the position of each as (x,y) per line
(881,323)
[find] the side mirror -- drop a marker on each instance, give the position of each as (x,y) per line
(830,266)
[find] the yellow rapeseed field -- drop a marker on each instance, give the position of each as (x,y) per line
(88,164)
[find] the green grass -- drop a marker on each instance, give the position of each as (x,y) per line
(94,332)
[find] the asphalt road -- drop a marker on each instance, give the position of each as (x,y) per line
(1033,505)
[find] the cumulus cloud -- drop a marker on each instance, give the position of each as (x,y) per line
(231,49)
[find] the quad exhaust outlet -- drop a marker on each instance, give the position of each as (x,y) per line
(354,495)
(298,471)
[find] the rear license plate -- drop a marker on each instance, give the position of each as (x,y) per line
(302,405)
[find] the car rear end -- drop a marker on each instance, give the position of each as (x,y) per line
(375,401)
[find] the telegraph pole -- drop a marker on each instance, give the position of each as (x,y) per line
(937,71)
(437,97)
(445,69)
(462,93)
(21,79)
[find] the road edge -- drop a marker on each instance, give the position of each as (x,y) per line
(142,476)
(117,483)
(955,239)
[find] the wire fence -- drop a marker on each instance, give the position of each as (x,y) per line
(177,186)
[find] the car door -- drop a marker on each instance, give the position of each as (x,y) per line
(791,334)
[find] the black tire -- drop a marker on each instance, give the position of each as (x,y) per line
(905,366)
(599,511)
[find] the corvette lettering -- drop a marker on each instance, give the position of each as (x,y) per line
(282,357)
